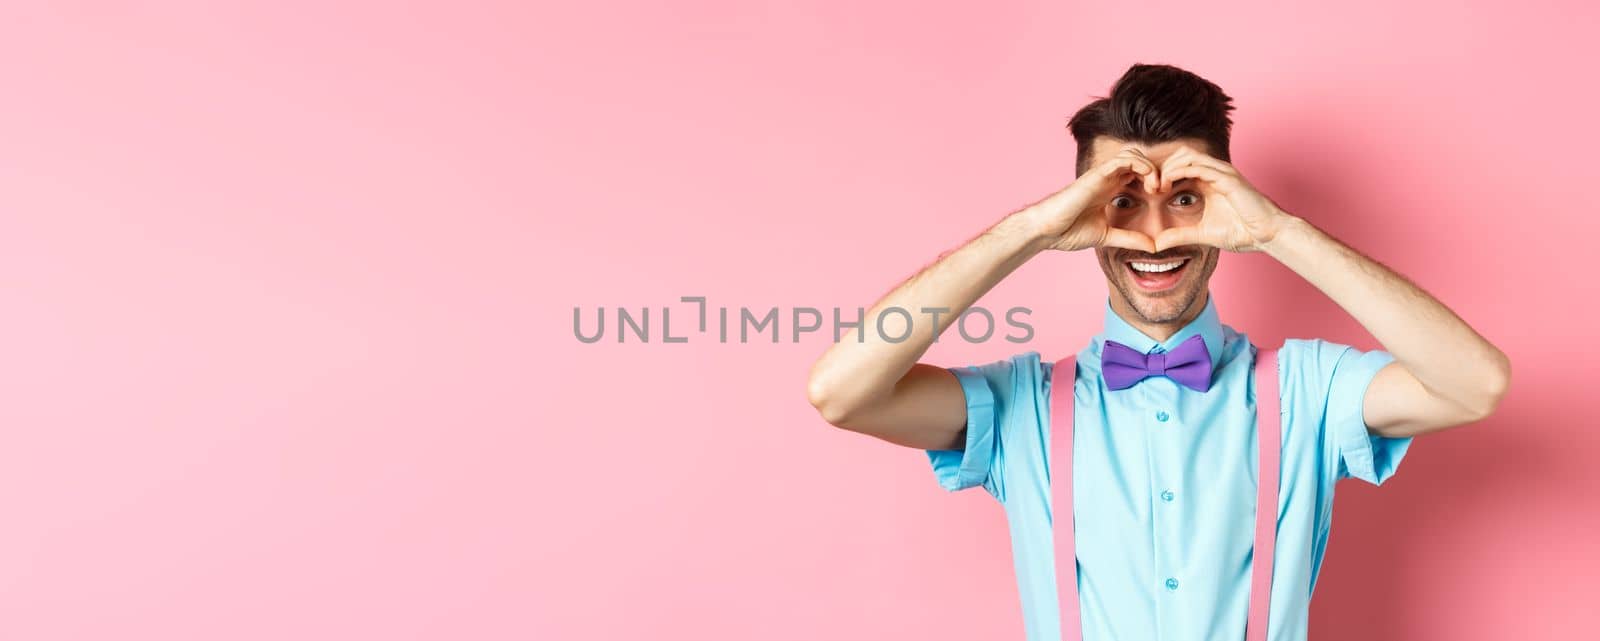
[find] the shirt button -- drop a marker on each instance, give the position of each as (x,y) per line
(1167,495)
(1172,584)
(1162,416)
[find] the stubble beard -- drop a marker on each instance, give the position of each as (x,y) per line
(1166,307)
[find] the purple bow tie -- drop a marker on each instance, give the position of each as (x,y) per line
(1189,364)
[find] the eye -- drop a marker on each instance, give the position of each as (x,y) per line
(1122,202)
(1186,199)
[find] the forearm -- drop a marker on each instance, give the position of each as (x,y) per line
(864,367)
(1440,350)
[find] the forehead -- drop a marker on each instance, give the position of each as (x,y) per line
(1105,147)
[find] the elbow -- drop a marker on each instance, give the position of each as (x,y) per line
(827,403)
(1496,384)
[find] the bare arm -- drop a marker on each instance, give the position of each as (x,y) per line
(879,388)
(1444,373)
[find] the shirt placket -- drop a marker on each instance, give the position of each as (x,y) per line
(1163,428)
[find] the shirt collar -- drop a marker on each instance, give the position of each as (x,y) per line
(1207,325)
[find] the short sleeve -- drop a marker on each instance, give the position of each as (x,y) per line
(1361,454)
(989,390)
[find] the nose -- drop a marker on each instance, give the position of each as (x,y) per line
(1150,221)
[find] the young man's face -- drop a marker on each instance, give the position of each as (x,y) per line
(1174,296)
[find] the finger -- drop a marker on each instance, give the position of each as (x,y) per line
(1136,153)
(1126,162)
(1151,179)
(1218,164)
(1128,239)
(1205,158)
(1143,162)
(1193,153)
(1178,236)
(1191,156)
(1124,174)
(1204,173)
(1178,159)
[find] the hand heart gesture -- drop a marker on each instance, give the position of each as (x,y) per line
(1236,217)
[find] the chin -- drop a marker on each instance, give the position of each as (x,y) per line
(1173,304)
(1161,288)
(1166,308)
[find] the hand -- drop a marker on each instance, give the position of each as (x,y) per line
(1236,216)
(1076,217)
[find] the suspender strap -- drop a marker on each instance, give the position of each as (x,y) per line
(1064,377)
(1269,439)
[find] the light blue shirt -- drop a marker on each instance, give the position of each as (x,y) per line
(1164,481)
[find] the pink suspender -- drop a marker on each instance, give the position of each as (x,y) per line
(1269,436)
(1066,370)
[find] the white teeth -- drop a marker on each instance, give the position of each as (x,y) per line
(1158,267)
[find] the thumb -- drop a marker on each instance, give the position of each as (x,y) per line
(1175,236)
(1128,239)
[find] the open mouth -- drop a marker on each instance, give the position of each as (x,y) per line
(1157,275)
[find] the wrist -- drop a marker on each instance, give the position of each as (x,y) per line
(1031,228)
(1291,232)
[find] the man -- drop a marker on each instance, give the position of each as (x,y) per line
(1165,472)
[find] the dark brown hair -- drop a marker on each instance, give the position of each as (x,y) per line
(1154,104)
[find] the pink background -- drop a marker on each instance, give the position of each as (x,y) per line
(288,296)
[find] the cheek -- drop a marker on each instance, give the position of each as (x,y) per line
(1187,215)
(1210,263)
(1101,255)
(1106,264)
(1117,216)
(1123,217)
